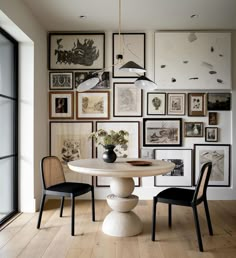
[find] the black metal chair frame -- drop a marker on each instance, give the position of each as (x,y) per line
(164,197)
(63,190)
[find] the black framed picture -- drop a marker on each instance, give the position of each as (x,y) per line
(219,101)
(162,132)
(60,80)
(71,51)
(156,103)
(211,134)
(212,118)
(193,129)
(176,103)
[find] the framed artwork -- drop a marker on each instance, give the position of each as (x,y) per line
(132,47)
(162,132)
(69,141)
(129,150)
(93,105)
(193,129)
(176,103)
(156,103)
(127,100)
(219,101)
(211,134)
(61,105)
(181,175)
(104,79)
(212,118)
(196,104)
(193,60)
(219,155)
(147,153)
(72,51)
(60,81)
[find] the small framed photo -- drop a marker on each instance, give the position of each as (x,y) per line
(211,134)
(156,103)
(193,129)
(219,101)
(104,79)
(196,104)
(76,51)
(219,155)
(176,103)
(181,175)
(212,118)
(93,105)
(61,105)
(147,153)
(162,132)
(127,100)
(60,81)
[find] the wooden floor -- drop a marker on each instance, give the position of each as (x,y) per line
(21,238)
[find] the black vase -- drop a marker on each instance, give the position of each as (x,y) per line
(109,155)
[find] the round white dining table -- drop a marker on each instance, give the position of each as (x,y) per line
(121,221)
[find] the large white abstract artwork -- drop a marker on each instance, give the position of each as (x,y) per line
(193,60)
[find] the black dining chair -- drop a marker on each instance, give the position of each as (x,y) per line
(54,183)
(187,197)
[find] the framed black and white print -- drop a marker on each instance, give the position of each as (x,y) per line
(104,79)
(181,175)
(127,100)
(196,104)
(212,118)
(132,47)
(219,101)
(60,81)
(176,103)
(211,134)
(219,155)
(76,51)
(193,129)
(162,132)
(156,103)
(69,141)
(147,153)
(61,105)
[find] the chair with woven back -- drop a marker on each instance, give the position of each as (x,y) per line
(186,197)
(54,184)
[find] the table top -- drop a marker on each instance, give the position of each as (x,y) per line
(120,168)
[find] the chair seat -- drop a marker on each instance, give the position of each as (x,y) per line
(178,196)
(70,188)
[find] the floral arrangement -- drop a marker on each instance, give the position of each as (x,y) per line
(103,137)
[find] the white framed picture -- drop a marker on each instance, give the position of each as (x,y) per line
(156,103)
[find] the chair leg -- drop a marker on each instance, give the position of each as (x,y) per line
(41,210)
(93,204)
(154,218)
(169,215)
(208,218)
(72,215)
(196,221)
(62,205)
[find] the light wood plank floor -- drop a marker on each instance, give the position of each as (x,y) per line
(21,238)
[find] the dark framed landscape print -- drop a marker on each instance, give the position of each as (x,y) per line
(72,51)
(219,101)
(162,132)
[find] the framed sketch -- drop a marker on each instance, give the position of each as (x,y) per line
(196,104)
(127,100)
(193,60)
(72,51)
(129,150)
(147,153)
(93,105)
(132,47)
(60,81)
(102,181)
(104,79)
(212,118)
(69,141)
(211,134)
(156,103)
(219,155)
(162,132)
(219,101)
(176,103)
(181,175)
(61,105)
(193,129)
